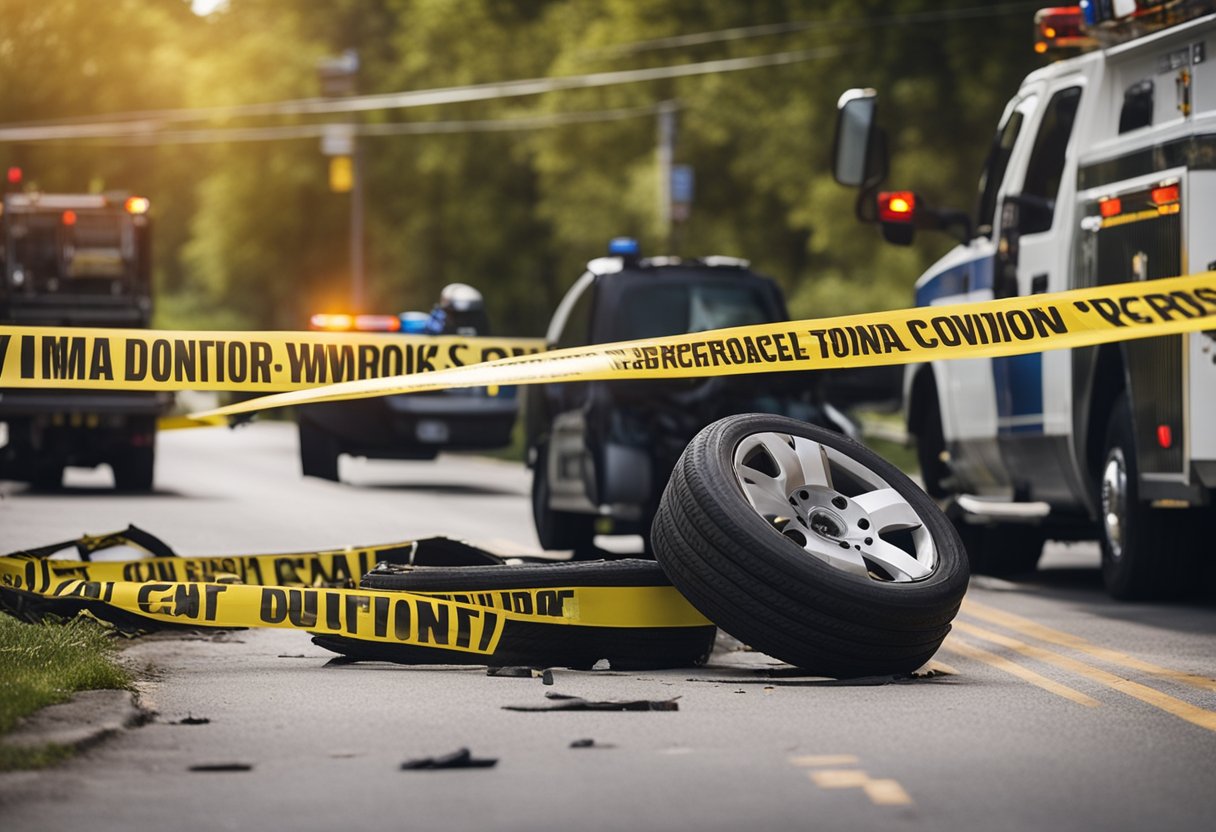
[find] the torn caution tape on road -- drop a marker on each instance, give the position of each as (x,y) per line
(1010,326)
(376,602)
(267,362)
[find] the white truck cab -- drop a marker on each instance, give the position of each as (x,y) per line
(1102,170)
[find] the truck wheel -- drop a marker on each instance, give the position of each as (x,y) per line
(319,452)
(1145,551)
(46,476)
(931,447)
(557,529)
(1001,550)
(134,469)
(810,547)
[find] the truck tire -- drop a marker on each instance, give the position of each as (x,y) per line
(319,452)
(134,469)
(557,529)
(46,476)
(1145,551)
(810,547)
(931,445)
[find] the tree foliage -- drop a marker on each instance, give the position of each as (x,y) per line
(248,233)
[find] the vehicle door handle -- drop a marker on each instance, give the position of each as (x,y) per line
(1038,284)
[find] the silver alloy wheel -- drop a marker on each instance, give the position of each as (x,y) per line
(1114,500)
(789,481)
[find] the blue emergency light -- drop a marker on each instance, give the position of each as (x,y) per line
(624,247)
(414,323)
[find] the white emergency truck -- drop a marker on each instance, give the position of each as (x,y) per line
(1102,170)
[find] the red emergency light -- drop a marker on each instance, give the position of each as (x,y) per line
(1060,27)
(69,217)
(896,206)
(14,175)
(377,323)
(1111,207)
(1166,195)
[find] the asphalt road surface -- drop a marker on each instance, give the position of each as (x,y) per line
(1051,707)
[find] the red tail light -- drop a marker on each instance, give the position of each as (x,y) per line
(896,206)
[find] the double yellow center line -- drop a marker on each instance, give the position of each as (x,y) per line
(1025,627)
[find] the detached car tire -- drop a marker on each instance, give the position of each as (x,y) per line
(810,547)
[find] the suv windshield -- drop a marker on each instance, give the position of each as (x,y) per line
(652,310)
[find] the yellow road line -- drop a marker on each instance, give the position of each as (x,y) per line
(1035,630)
(887,793)
(884,792)
(1183,710)
(839,778)
(812,760)
(955,645)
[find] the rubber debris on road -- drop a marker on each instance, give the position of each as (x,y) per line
(562,702)
(462,758)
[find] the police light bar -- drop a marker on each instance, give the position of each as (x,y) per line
(896,206)
(1061,27)
(137,205)
(341,322)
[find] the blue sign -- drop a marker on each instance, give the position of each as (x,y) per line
(682,183)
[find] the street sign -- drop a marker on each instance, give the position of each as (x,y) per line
(682,184)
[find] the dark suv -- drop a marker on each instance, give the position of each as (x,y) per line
(602,451)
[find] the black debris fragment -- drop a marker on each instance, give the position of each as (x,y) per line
(511,671)
(192,720)
(590,743)
(292,656)
(546,678)
(457,759)
(562,702)
(210,767)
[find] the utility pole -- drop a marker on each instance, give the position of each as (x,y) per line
(664,154)
(341,144)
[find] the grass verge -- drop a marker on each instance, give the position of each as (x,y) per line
(44,664)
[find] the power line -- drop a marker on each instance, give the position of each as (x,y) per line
(789,27)
(316,131)
(148,122)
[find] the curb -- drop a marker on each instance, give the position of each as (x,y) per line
(85,720)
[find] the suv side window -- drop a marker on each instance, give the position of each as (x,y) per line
(1045,169)
(576,328)
(998,161)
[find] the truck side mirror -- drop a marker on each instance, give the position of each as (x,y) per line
(859,157)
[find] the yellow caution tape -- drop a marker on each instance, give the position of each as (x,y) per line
(318,592)
(350,366)
(1011,326)
(132,359)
